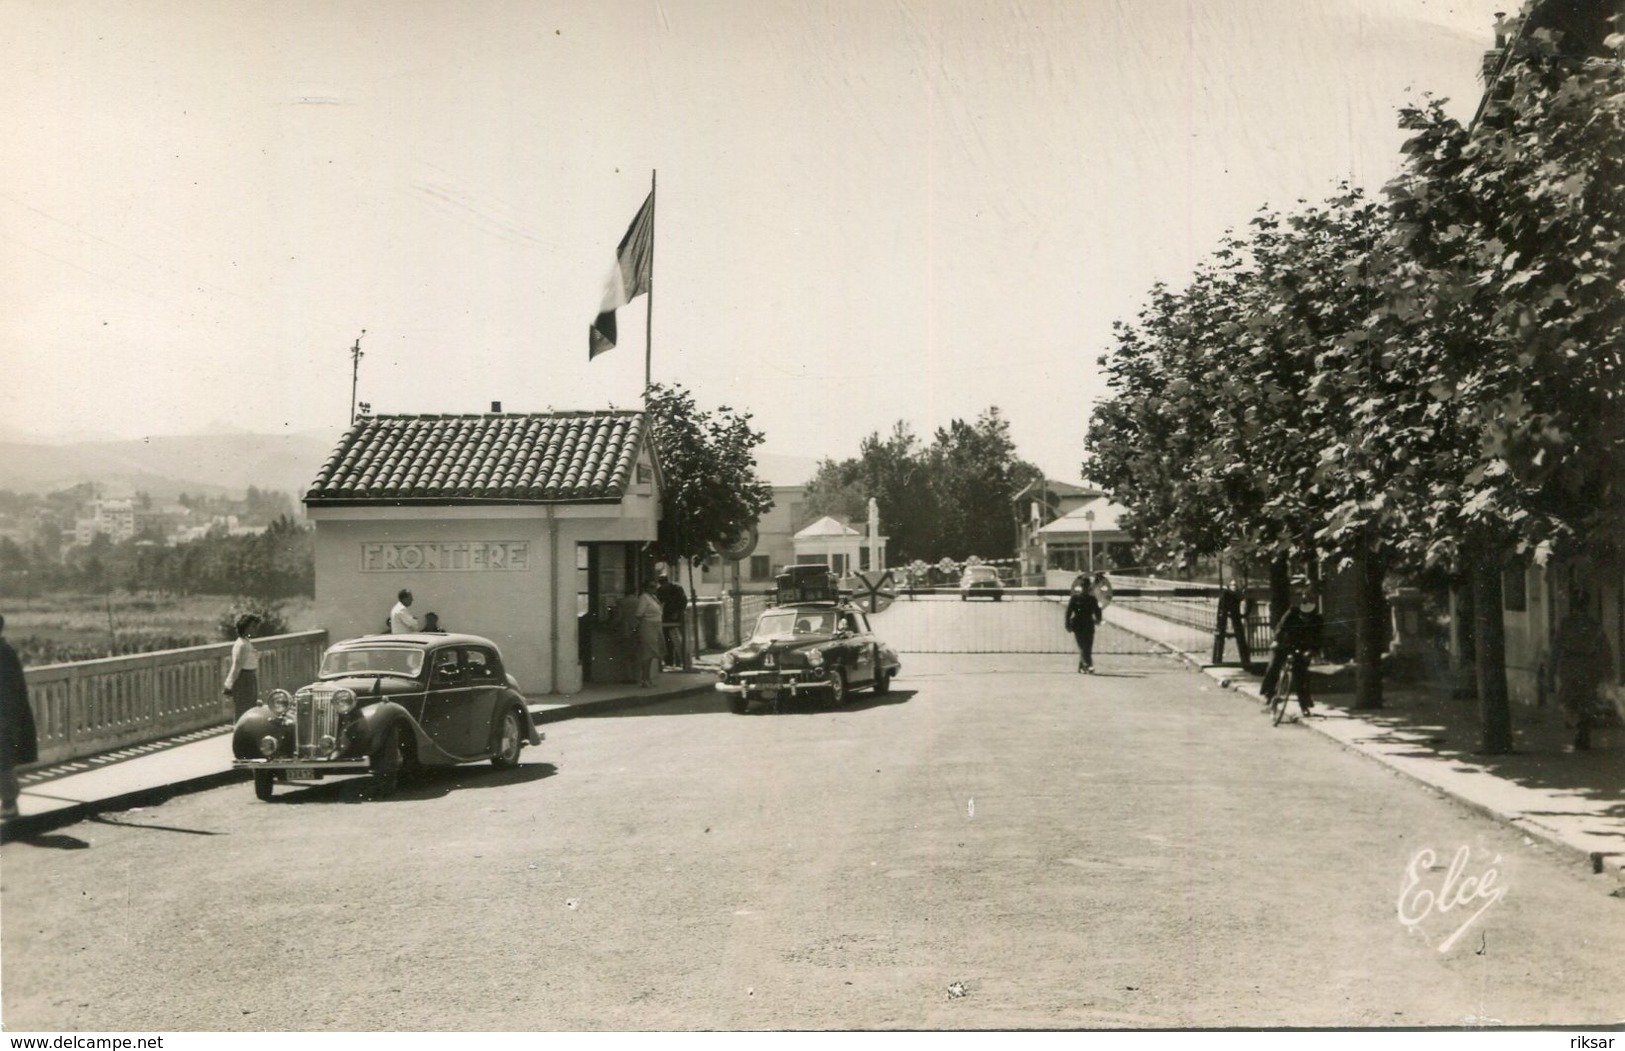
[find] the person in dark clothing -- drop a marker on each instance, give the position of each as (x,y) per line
(1082,614)
(19,742)
(1297,635)
(1584,663)
(673,601)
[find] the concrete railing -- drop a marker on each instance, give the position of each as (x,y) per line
(87,707)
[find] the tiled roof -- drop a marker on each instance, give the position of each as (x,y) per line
(554,457)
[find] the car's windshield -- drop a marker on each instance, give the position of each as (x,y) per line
(794,622)
(981,573)
(372,660)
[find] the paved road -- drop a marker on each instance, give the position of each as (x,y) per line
(1019,623)
(999,843)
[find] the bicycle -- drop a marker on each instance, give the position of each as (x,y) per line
(1285,686)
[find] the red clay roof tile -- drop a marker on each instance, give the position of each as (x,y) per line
(559,457)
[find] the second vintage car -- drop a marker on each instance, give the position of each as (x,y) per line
(810,644)
(382,704)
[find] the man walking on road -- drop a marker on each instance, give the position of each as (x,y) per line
(1082,614)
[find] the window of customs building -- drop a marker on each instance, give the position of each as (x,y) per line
(761,567)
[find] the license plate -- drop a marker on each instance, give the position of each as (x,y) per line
(299,773)
(769,693)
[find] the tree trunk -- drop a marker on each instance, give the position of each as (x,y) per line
(1466,648)
(1280,588)
(1489,632)
(1370,628)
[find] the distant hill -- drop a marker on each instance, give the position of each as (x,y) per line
(217,464)
(166,466)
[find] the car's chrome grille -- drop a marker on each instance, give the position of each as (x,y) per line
(315,723)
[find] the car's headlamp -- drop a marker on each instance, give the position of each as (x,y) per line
(268,746)
(343,699)
(729,659)
(279,701)
(815,658)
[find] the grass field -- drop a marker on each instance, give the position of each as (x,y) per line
(61,627)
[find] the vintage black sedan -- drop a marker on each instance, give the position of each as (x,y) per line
(382,704)
(823,649)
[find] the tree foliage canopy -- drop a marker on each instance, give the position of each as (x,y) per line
(950,499)
(710,490)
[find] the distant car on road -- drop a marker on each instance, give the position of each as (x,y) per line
(382,704)
(812,643)
(981,580)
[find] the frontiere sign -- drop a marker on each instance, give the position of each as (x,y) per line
(480,556)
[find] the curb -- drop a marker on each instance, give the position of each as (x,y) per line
(1595,862)
(31,825)
(614,704)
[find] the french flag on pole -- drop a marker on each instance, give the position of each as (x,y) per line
(629,278)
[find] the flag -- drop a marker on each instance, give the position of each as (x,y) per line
(634,259)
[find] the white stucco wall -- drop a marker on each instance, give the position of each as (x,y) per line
(496,575)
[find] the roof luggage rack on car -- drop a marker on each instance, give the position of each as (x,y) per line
(812,582)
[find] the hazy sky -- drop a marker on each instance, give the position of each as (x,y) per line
(867,211)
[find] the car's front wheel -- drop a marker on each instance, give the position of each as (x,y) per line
(387,763)
(509,742)
(263,782)
(882,676)
(837,687)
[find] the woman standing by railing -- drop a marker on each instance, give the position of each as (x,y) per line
(243,680)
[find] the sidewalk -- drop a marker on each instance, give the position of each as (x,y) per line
(145,775)
(1572,802)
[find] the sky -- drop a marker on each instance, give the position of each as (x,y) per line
(867,211)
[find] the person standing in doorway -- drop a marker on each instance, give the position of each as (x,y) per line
(649,617)
(19,742)
(625,623)
(243,679)
(1584,663)
(401,621)
(673,603)
(1083,613)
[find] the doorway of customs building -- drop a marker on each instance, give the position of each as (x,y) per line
(608,574)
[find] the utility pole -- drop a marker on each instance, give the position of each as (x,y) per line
(355,372)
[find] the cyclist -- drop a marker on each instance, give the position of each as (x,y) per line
(1296,637)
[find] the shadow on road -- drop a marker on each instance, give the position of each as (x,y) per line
(861,702)
(429,783)
(55,841)
(714,703)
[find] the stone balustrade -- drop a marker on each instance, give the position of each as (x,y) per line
(87,707)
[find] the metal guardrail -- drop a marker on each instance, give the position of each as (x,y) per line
(86,707)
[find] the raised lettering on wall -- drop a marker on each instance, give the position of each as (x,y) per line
(475,556)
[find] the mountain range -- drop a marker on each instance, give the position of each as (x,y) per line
(219,463)
(167,465)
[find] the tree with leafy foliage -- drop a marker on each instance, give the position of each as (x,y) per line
(950,499)
(891,471)
(710,491)
(974,473)
(1514,236)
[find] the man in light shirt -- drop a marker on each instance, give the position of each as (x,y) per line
(401,621)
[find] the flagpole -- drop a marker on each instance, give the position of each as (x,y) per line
(649,317)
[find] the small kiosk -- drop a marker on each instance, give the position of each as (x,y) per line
(521,527)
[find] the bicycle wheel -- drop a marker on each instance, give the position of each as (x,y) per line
(1283,691)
